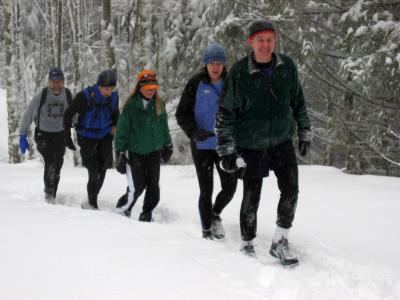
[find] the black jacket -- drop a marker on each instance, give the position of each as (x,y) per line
(185,111)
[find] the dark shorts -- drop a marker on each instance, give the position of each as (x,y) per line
(50,143)
(260,162)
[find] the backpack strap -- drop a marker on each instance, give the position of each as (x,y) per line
(42,101)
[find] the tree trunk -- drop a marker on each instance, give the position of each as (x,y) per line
(59,36)
(107,33)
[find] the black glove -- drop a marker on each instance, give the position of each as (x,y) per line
(202,135)
(303,147)
(121,162)
(228,163)
(68,141)
(166,153)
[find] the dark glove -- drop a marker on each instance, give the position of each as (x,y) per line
(202,135)
(228,163)
(303,147)
(166,153)
(23,143)
(121,162)
(69,143)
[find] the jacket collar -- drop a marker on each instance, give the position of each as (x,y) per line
(254,70)
(138,102)
(206,78)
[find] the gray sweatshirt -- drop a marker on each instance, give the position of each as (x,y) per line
(51,113)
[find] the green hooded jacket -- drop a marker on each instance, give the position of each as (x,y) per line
(139,129)
(258,114)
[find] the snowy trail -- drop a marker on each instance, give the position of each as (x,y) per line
(63,252)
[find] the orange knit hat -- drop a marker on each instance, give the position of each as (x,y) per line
(148,80)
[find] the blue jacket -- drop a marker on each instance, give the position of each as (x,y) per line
(97,114)
(197,108)
(205,111)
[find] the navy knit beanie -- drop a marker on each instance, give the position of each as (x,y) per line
(107,78)
(214,52)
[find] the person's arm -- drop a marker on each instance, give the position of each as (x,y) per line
(185,111)
(167,135)
(226,118)
(29,115)
(121,138)
(114,117)
(299,109)
(78,106)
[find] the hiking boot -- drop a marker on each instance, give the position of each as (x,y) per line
(247,248)
(87,205)
(49,198)
(125,213)
(207,234)
(146,217)
(282,251)
(217,229)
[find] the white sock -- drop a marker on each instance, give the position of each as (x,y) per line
(281,232)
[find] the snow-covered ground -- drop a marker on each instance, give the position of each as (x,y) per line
(346,233)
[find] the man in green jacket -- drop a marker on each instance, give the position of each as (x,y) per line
(261,105)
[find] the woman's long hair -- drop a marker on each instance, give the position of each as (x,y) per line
(159,106)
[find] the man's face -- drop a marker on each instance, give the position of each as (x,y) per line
(263,45)
(56,86)
(214,70)
(106,91)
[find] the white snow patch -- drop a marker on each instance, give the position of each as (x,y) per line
(361,30)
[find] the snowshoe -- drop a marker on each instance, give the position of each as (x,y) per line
(125,213)
(247,248)
(49,198)
(146,217)
(217,229)
(282,251)
(87,205)
(207,234)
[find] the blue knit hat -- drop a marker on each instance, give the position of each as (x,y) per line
(214,52)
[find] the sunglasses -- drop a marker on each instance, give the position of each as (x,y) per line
(148,77)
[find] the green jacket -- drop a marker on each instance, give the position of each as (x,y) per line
(258,114)
(140,130)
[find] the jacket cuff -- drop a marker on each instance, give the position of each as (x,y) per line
(304,135)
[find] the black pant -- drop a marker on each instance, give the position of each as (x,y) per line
(97,157)
(52,148)
(204,161)
(282,160)
(145,174)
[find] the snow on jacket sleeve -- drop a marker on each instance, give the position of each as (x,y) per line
(30,114)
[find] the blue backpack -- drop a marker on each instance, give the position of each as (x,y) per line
(97,121)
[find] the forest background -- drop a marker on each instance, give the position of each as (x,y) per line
(347,52)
